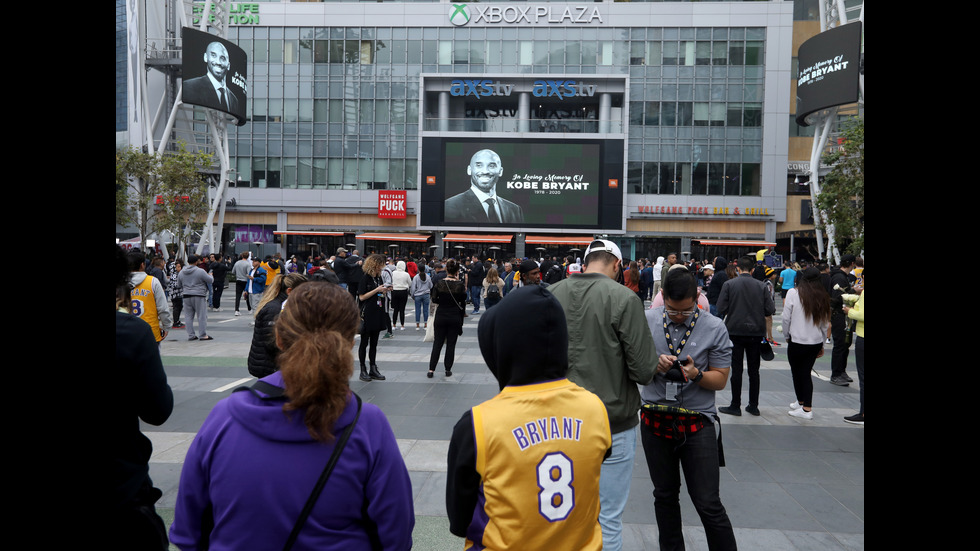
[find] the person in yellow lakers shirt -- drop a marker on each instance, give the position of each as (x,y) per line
(856,312)
(149,300)
(524,466)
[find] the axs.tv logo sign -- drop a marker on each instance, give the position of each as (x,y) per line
(560,89)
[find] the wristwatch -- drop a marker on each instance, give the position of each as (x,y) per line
(697,377)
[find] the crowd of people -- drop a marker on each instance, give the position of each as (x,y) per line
(618,350)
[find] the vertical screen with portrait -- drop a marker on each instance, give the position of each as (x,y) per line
(536,183)
(214,73)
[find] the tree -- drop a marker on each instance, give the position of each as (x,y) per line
(161,192)
(842,189)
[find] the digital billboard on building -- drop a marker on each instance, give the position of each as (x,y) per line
(522,183)
(214,73)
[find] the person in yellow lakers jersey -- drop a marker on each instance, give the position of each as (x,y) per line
(523,467)
(149,300)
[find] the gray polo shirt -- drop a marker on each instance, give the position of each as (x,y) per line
(708,345)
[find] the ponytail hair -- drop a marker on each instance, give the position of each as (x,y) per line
(315,332)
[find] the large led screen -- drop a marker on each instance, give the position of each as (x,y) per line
(830,65)
(567,184)
(214,73)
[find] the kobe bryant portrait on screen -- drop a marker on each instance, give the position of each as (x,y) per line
(211,90)
(480,203)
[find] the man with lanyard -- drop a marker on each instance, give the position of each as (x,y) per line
(679,424)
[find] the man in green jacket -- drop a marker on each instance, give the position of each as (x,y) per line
(610,351)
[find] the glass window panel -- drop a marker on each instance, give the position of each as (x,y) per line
(477,50)
(526,51)
(684,113)
(336,110)
(752,115)
(670,53)
(288,175)
(751,179)
(719,53)
(319,173)
(414,51)
(366,111)
(306,110)
(634,177)
(651,182)
(605,53)
(275,51)
(699,179)
(754,53)
(736,53)
(703,53)
(668,179)
(335,173)
(688,52)
(381,111)
(716,178)
(732,179)
(290,54)
(445,52)
(651,116)
(411,173)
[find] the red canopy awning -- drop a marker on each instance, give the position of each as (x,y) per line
(558,240)
(416,237)
(314,233)
(735,243)
(478,238)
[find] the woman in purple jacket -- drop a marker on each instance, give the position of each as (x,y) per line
(256,459)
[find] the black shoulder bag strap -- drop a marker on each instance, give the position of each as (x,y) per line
(275,392)
(323,477)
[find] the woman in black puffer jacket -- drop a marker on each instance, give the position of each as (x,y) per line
(262,355)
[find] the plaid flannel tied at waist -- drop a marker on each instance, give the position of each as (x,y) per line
(671,421)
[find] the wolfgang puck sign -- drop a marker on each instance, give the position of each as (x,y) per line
(391,204)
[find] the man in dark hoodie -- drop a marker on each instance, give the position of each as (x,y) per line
(717,281)
(524,466)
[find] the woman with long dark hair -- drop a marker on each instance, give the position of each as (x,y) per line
(257,458)
(263,352)
(372,294)
(806,317)
(450,295)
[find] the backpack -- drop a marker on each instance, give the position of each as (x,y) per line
(493,291)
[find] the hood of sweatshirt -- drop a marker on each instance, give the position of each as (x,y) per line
(524,338)
(264,418)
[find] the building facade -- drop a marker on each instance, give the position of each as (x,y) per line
(342,97)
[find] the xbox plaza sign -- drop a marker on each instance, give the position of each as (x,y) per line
(462,14)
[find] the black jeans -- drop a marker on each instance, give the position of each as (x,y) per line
(698,456)
(801,359)
(838,357)
(240,287)
(446,331)
(749,349)
(859,357)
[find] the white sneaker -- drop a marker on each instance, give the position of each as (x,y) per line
(801,413)
(795,405)
(237,313)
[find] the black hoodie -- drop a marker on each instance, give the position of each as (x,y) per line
(529,344)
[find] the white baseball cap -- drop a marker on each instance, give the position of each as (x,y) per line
(603,245)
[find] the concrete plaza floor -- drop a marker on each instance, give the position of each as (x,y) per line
(788,484)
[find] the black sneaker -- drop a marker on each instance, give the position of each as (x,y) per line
(839,381)
(753,410)
(730,410)
(847,378)
(856,419)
